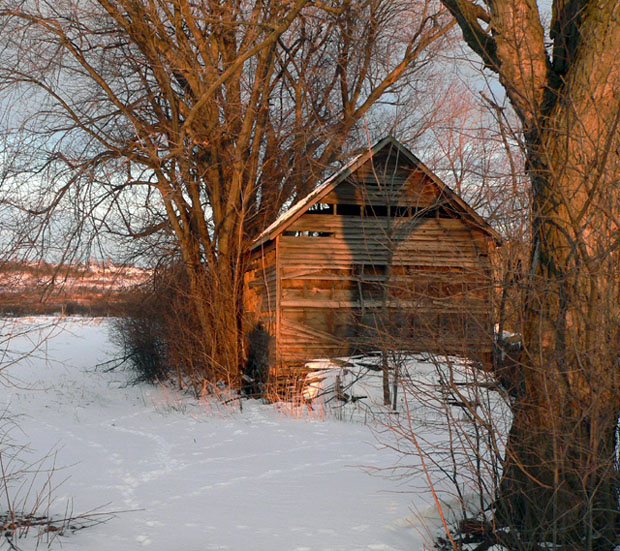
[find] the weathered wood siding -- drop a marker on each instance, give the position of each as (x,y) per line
(412,241)
(398,264)
(384,258)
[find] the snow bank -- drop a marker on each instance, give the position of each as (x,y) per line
(447,424)
(190,475)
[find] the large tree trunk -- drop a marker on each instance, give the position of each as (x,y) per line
(560,481)
(216,299)
(213,301)
(561,477)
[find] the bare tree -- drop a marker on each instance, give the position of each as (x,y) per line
(560,481)
(199,119)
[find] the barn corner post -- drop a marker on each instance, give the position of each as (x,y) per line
(275,353)
(259,318)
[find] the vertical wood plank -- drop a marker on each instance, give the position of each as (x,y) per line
(278,312)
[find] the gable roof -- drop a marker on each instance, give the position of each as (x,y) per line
(327,186)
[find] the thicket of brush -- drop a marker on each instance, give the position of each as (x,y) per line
(159,334)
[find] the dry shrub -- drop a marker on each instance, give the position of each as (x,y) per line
(149,331)
(161,334)
(140,333)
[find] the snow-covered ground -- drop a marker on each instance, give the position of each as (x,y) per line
(184,474)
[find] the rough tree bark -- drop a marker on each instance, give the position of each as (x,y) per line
(560,479)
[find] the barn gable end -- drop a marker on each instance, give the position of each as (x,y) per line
(381,251)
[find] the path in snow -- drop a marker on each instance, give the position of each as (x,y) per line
(190,476)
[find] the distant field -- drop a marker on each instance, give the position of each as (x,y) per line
(40,288)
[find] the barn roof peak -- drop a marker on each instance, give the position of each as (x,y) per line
(297,209)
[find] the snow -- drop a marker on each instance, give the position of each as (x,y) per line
(175,472)
(180,473)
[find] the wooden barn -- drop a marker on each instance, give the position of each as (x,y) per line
(380,254)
